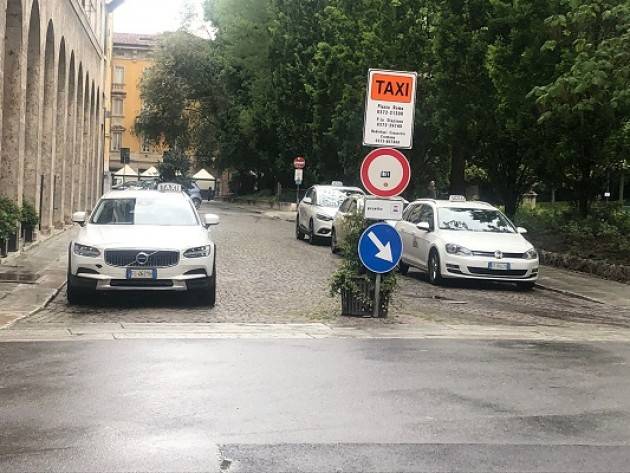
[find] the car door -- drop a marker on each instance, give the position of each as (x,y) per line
(422,239)
(406,228)
(304,208)
(341,218)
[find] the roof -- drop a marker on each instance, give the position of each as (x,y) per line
(339,188)
(203,174)
(151,172)
(135,40)
(144,194)
(469,204)
(126,171)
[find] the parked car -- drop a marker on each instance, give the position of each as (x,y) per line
(317,210)
(194,192)
(472,240)
(143,240)
(127,185)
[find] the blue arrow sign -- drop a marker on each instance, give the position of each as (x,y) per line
(380,248)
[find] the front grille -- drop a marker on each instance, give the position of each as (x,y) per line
(141,283)
(498,272)
(490,254)
(156,259)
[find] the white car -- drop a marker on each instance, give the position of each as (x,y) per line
(317,210)
(143,240)
(459,239)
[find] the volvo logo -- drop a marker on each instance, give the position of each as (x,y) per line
(142,258)
(498,255)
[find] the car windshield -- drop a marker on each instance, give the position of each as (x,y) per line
(330,198)
(164,212)
(474,220)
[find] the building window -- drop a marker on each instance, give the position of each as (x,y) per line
(116,140)
(119,75)
(117,107)
(146,145)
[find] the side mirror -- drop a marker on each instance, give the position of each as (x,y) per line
(424,226)
(79,217)
(521,230)
(307,200)
(210,220)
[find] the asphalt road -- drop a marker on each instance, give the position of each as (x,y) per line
(314,406)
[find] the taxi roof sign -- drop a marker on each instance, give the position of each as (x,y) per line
(169,187)
(457,198)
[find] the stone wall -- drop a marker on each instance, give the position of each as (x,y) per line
(52,59)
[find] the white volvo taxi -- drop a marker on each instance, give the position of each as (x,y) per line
(459,239)
(151,240)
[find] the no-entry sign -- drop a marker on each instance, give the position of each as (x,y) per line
(299,163)
(385,172)
(389,109)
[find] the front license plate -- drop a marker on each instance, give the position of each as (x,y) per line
(501,266)
(142,274)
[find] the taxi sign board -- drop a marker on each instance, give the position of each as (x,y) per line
(382,209)
(385,172)
(169,187)
(389,109)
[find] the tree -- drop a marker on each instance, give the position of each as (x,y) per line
(588,100)
(174,166)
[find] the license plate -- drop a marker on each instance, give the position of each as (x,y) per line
(500,266)
(142,274)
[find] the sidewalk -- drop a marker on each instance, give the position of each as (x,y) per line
(30,280)
(585,286)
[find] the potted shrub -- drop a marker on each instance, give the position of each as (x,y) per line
(353,282)
(29,220)
(9,222)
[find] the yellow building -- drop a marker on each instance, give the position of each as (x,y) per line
(131,56)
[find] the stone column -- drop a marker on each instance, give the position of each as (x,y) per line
(78,148)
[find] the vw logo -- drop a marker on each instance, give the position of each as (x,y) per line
(498,255)
(142,258)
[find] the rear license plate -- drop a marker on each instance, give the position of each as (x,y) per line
(141,273)
(500,266)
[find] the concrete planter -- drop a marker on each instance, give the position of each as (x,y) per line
(354,305)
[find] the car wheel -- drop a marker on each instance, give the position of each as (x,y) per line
(525,286)
(403,268)
(208,295)
(76,295)
(299,234)
(333,242)
(197,202)
(435,274)
(312,239)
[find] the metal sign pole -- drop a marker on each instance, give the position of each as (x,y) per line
(377,296)
(297,196)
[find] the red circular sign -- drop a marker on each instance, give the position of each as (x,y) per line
(385,172)
(299,163)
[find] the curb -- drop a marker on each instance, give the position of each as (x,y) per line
(569,293)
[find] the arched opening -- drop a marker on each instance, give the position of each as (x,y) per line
(31,180)
(60,146)
(78,147)
(11,104)
(70,143)
(47,164)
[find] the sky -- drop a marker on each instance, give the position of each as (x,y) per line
(150,16)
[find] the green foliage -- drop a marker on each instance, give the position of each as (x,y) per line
(510,94)
(602,235)
(9,218)
(28,216)
(351,268)
(174,166)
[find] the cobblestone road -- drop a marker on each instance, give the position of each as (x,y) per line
(266,275)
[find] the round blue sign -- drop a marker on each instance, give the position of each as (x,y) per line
(380,248)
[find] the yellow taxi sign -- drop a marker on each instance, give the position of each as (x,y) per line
(169,187)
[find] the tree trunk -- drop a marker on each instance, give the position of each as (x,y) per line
(621,184)
(458,167)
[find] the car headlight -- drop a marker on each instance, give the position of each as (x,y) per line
(531,254)
(324,218)
(197,252)
(454,249)
(84,250)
